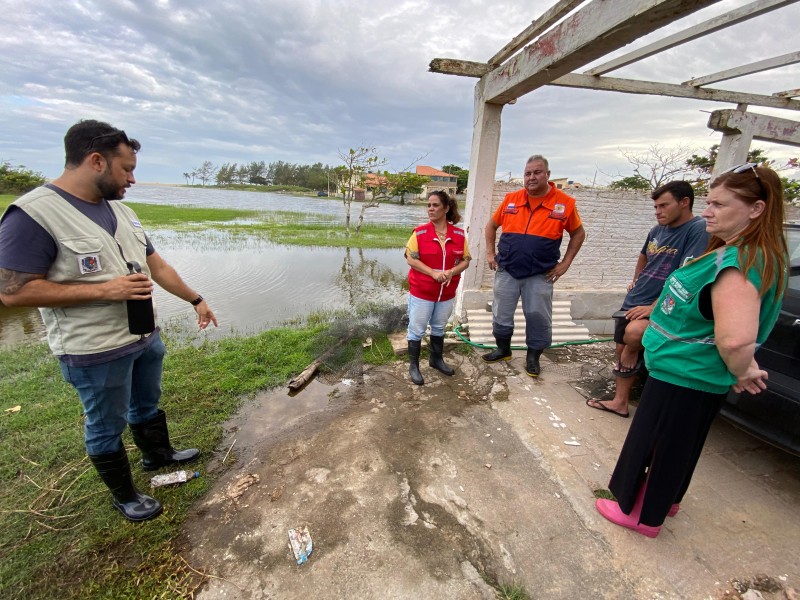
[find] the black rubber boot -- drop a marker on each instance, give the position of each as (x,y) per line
(532,367)
(413,361)
(115,471)
(502,352)
(435,360)
(152,438)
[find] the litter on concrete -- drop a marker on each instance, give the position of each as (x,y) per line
(300,543)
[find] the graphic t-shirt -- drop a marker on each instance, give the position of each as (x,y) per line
(666,248)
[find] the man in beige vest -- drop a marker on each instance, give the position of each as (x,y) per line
(69,249)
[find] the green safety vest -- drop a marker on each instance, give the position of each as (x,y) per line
(679,343)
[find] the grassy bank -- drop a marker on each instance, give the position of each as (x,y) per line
(281,227)
(60,537)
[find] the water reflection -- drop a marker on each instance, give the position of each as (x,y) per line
(20,325)
(253,284)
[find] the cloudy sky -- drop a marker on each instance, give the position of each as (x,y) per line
(297,80)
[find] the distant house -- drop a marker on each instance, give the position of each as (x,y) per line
(561,183)
(375,184)
(438,180)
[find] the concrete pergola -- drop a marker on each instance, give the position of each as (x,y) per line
(569,36)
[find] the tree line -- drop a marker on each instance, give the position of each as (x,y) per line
(312,177)
(658,165)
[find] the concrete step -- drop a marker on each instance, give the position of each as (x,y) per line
(478,326)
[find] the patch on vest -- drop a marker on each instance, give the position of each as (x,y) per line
(136,223)
(667,304)
(89,263)
(559,212)
(677,288)
(511,209)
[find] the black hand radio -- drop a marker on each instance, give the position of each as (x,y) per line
(141,319)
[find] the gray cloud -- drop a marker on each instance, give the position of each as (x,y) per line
(296,80)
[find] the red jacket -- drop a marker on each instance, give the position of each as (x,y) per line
(430,253)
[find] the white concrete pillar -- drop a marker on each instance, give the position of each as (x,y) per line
(477,211)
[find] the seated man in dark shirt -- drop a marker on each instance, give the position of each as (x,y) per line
(678,238)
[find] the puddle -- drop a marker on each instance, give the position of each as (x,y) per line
(272,414)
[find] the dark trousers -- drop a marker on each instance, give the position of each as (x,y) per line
(662,448)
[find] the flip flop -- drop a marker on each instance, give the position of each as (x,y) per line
(601,406)
(625,373)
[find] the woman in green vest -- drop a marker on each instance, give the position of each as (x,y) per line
(709,319)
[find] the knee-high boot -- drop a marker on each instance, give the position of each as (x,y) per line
(152,438)
(502,352)
(532,366)
(436,360)
(115,471)
(414,347)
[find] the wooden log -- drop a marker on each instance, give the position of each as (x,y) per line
(307,374)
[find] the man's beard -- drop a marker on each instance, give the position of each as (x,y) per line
(107,188)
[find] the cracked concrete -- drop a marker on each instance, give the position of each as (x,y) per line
(472,481)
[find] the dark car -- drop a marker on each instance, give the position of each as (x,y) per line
(774,414)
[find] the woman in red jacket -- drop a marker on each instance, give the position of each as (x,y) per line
(437,254)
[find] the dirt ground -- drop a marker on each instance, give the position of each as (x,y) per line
(487,478)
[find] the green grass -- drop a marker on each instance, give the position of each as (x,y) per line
(312,234)
(164,215)
(5,200)
(604,493)
(513,592)
(60,536)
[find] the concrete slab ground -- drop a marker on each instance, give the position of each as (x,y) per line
(469,483)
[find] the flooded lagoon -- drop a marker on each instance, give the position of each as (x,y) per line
(251,283)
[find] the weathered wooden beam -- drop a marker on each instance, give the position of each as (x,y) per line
(733,17)
(748,69)
(551,15)
(454,66)
(595,30)
(761,127)
(652,88)
(788,93)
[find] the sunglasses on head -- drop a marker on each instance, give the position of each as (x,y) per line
(743,168)
(118,133)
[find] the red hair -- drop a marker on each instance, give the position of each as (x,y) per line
(762,241)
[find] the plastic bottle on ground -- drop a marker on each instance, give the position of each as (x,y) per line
(173,478)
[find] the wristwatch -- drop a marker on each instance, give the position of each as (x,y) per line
(196,301)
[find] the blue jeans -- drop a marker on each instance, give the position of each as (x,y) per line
(421,312)
(113,394)
(537,306)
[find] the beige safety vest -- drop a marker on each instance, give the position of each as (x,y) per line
(87,253)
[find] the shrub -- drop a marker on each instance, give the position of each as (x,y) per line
(18,180)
